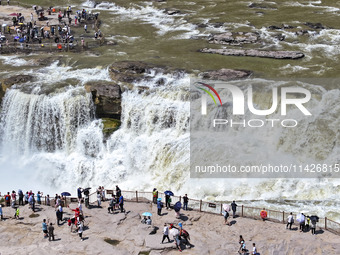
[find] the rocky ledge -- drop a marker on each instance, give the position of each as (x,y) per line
(128,72)
(234,38)
(255,53)
(107,98)
(226,74)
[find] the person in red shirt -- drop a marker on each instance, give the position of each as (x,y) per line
(8,199)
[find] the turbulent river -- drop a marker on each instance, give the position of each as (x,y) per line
(52,141)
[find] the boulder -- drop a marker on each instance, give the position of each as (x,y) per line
(260,6)
(107,98)
(226,74)
(314,25)
(128,72)
(256,53)
(232,38)
(171,11)
(17,79)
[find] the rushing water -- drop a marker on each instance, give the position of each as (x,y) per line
(50,139)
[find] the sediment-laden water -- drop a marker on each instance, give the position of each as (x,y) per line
(51,140)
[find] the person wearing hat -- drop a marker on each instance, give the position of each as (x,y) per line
(159,206)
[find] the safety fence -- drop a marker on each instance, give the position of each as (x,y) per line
(197,205)
(217,208)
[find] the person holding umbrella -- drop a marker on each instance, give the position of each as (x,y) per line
(168,195)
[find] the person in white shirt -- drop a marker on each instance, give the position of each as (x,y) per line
(165,233)
(80,231)
(254,249)
(290,221)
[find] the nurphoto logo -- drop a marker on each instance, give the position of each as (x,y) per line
(295,96)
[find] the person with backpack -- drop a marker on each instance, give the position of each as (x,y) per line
(8,199)
(185,235)
(226,215)
(290,220)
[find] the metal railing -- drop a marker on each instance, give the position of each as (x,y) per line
(201,206)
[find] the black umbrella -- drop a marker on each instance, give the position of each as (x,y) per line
(66,194)
(314,218)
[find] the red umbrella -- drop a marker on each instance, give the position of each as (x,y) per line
(13,14)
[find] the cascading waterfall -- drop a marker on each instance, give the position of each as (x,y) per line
(54,142)
(48,123)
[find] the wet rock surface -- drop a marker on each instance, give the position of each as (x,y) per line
(255,53)
(234,38)
(131,71)
(107,98)
(226,74)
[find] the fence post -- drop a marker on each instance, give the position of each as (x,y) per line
(242,211)
(137,196)
(221,208)
(325,222)
(200,205)
(283,217)
(180,199)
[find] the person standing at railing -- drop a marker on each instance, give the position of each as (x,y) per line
(121,203)
(48,201)
(313,226)
(290,220)
(79,191)
(154,195)
(14,197)
(21,197)
(118,191)
(8,199)
(99,196)
(39,198)
(233,207)
(185,202)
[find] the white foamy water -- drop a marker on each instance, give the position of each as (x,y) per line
(148,14)
(15,61)
(54,143)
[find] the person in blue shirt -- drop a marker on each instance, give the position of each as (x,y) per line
(79,191)
(39,198)
(121,203)
(159,206)
(44,228)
